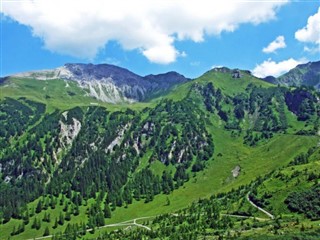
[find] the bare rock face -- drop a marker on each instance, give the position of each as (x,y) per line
(221,69)
(68,132)
(118,139)
(236,171)
(236,74)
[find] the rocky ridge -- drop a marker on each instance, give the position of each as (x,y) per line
(109,83)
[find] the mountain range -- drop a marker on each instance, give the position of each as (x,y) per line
(307,74)
(109,83)
(87,148)
(113,84)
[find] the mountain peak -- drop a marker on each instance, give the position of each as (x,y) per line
(89,72)
(221,69)
(307,74)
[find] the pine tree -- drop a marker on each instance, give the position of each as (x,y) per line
(53,202)
(21,228)
(167,201)
(38,224)
(100,219)
(46,232)
(62,200)
(39,207)
(83,228)
(66,207)
(26,217)
(61,219)
(13,231)
(107,211)
(76,210)
(45,217)
(55,224)
(68,216)
(32,212)
(34,223)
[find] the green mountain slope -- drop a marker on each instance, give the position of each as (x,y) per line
(70,164)
(56,93)
(304,74)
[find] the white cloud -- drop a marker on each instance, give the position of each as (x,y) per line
(161,54)
(183,54)
(312,50)
(217,66)
(279,42)
(272,68)
(311,32)
(82,28)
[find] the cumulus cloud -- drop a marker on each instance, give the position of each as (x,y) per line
(272,68)
(278,43)
(311,32)
(82,28)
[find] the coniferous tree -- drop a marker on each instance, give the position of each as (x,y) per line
(167,201)
(107,211)
(13,231)
(46,231)
(67,216)
(39,206)
(55,224)
(26,217)
(34,223)
(76,210)
(61,219)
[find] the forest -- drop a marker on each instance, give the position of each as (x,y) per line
(89,161)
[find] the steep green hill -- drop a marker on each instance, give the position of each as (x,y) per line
(71,163)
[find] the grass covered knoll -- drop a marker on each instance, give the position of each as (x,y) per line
(221,79)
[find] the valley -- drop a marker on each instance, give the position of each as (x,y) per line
(181,161)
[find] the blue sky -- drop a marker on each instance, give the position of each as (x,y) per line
(149,37)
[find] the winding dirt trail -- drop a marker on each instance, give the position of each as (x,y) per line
(133,222)
(129,223)
(259,208)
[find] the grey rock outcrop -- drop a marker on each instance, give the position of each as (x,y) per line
(236,74)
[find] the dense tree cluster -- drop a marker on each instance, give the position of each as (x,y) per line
(303,103)
(263,108)
(107,149)
(306,202)
(302,158)
(16,116)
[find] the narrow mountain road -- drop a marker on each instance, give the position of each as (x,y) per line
(133,222)
(140,225)
(259,208)
(246,217)
(129,223)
